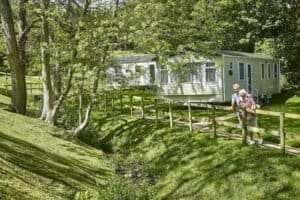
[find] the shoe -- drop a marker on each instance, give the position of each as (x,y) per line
(251,142)
(260,141)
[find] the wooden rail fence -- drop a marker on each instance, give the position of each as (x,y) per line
(154,108)
(31,86)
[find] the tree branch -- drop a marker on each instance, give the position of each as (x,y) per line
(26,30)
(64,94)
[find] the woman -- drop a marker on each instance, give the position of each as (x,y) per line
(248,106)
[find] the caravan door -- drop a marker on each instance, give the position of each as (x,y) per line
(249,78)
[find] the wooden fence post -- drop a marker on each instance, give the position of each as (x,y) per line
(31,89)
(214,123)
(190,117)
(113,105)
(171,113)
(121,103)
(40,83)
(281,132)
(105,103)
(156,111)
(6,78)
(131,106)
(143,107)
(244,129)
(6,88)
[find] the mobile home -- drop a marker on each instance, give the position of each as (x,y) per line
(138,71)
(210,79)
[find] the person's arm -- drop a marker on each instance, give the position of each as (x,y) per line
(252,104)
(233,104)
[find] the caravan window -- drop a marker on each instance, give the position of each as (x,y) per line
(275,70)
(176,76)
(262,71)
(269,71)
(210,72)
(242,71)
(195,73)
(118,70)
(138,69)
(164,75)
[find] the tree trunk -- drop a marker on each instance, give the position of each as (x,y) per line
(62,95)
(23,28)
(48,96)
(84,123)
(81,91)
(17,70)
(57,79)
(86,120)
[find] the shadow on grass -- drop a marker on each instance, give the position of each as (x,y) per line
(193,166)
(71,172)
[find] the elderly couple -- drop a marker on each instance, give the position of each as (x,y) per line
(244,106)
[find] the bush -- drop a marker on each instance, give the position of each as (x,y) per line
(118,189)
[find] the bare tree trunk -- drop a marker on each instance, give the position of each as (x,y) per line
(92,101)
(86,120)
(17,70)
(63,95)
(48,95)
(53,92)
(81,93)
(57,79)
(23,28)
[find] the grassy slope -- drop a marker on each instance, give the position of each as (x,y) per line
(36,163)
(197,167)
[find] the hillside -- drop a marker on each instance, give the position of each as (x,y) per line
(37,163)
(195,166)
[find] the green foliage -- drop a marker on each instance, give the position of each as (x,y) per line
(118,189)
(3,65)
(171,28)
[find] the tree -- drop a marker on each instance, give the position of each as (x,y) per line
(53,92)
(99,36)
(251,25)
(14,59)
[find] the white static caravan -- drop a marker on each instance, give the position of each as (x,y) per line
(211,80)
(133,71)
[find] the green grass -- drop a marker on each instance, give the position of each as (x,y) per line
(194,166)
(287,102)
(38,162)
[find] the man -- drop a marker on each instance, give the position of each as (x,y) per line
(235,101)
(247,108)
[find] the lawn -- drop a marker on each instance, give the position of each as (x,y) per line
(38,162)
(194,166)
